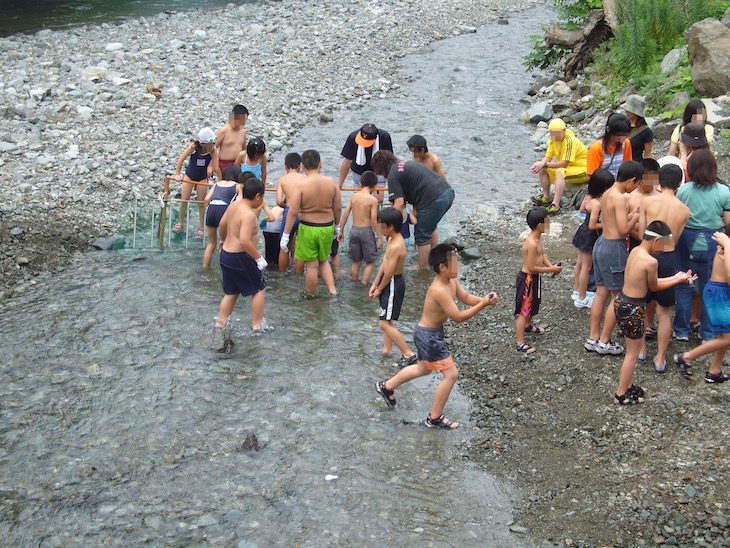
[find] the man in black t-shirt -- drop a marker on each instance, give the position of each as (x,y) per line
(429,194)
(359,149)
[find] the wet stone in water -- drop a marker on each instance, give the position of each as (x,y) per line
(251,443)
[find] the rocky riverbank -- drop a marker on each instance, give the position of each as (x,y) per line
(80,133)
(591,473)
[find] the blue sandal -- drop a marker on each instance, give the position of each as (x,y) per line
(525,348)
(441,422)
(534,330)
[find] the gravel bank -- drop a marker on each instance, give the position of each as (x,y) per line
(591,473)
(80,134)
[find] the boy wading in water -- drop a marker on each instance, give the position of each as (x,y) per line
(433,354)
(389,286)
(241,262)
(640,277)
(534,263)
(716,299)
(364,243)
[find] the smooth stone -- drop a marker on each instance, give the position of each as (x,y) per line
(22,261)
(114,46)
(16,231)
(471,253)
(541,111)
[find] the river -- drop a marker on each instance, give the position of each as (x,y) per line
(120,424)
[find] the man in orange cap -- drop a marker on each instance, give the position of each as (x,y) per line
(359,149)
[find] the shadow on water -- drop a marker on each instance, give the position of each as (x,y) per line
(119,420)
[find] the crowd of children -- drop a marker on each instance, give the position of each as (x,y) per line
(633,224)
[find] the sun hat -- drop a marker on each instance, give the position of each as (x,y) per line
(556,124)
(367,135)
(635,105)
(694,135)
(206,135)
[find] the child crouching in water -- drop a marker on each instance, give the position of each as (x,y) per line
(629,305)
(529,286)
(587,234)
(428,335)
(241,262)
(217,202)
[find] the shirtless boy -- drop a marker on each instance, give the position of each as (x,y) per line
(630,304)
(428,335)
(317,201)
(534,263)
(363,242)
(648,186)
(285,186)
(241,262)
(231,138)
(716,299)
(417,145)
(666,207)
(610,255)
(389,286)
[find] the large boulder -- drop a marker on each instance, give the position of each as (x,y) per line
(708,44)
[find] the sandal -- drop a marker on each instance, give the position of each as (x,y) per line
(405,362)
(178,228)
(694,327)
(711,378)
(441,422)
(534,329)
(660,367)
(684,367)
(627,399)
(525,348)
(642,357)
(199,234)
(387,394)
(650,332)
(638,390)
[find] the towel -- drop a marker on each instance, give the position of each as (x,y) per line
(360,159)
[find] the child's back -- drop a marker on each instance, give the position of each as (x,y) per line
(364,207)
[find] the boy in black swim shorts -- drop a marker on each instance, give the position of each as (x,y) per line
(640,277)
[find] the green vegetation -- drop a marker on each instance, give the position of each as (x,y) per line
(647,31)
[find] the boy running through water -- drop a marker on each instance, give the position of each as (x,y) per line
(428,335)
(716,299)
(389,286)
(640,277)
(231,138)
(241,262)
(363,243)
(529,287)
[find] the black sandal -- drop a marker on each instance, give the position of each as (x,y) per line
(638,390)
(405,362)
(629,398)
(684,367)
(441,422)
(387,394)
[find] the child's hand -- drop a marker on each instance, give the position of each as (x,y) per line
(556,269)
(687,277)
(341,237)
(721,238)
(374,291)
(178,177)
(491,299)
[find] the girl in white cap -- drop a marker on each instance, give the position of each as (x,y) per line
(202,163)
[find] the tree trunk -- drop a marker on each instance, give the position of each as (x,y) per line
(595,32)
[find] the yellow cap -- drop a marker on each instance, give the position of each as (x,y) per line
(556,124)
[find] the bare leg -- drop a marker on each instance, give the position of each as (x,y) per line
(258,301)
(443,391)
(387,343)
(310,277)
(720,344)
(599,303)
(283,260)
(298,266)
(559,187)
(325,270)
(423,251)
(545,183)
(520,325)
(367,272)
(210,246)
(187,190)
(355,271)
(435,238)
(407,374)
(664,332)
(200,192)
(633,346)
(391,331)
(586,260)
(228,303)
(609,321)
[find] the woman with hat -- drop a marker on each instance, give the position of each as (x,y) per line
(693,137)
(695,112)
(641,135)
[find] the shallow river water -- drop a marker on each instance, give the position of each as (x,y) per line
(120,424)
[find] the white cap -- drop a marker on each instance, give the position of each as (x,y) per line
(206,135)
(671,160)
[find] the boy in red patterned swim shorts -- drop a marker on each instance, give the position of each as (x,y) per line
(534,263)
(640,276)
